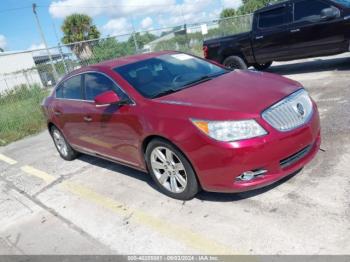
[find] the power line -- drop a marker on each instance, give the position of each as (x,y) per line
(109,6)
(14,9)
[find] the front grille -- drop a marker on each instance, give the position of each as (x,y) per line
(290,113)
(295,158)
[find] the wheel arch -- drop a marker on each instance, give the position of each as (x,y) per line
(227,52)
(149,138)
(50,125)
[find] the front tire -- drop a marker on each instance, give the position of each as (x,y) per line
(171,170)
(235,62)
(62,146)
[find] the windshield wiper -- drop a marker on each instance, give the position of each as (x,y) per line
(203,79)
(164,93)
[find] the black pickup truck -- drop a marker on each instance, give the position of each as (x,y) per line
(285,31)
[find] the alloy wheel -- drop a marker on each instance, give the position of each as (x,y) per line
(168,169)
(60,142)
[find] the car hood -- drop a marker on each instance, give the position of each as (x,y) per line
(247,92)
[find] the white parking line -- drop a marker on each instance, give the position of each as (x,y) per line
(7,160)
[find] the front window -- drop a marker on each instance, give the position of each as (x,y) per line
(309,10)
(273,18)
(167,74)
(96,84)
(345,3)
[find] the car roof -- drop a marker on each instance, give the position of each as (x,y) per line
(273,6)
(117,62)
(132,59)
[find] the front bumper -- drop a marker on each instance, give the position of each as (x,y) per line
(219,164)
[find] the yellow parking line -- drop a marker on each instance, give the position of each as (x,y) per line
(187,236)
(7,159)
(38,173)
(191,239)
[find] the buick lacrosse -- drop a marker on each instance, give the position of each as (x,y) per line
(190,123)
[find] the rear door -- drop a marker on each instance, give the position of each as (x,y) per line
(68,108)
(270,38)
(312,36)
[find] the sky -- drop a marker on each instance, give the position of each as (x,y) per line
(18,29)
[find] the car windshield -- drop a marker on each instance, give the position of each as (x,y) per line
(169,73)
(345,3)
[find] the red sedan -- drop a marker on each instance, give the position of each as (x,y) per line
(190,123)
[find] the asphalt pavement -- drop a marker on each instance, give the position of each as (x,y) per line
(92,206)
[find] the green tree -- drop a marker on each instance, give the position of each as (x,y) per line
(142,39)
(110,48)
(227,12)
(79,27)
(1,50)
(249,6)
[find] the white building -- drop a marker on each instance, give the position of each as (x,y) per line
(17,69)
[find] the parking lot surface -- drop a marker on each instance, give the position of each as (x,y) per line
(91,206)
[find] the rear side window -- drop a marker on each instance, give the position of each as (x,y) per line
(70,89)
(96,84)
(272,18)
(309,10)
(59,91)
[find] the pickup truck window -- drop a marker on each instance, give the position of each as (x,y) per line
(309,10)
(272,18)
(345,3)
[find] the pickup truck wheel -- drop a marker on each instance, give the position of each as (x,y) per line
(235,62)
(262,67)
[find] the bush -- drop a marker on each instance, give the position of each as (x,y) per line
(20,112)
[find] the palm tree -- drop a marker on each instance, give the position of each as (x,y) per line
(227,12)
(77,28)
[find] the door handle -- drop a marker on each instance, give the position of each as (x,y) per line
(295,30)
(87,118)
(57,113)
(259,37)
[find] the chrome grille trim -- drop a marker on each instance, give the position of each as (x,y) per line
(292,112)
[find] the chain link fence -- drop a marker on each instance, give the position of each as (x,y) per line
(26,77)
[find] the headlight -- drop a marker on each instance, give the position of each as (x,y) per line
(229,131)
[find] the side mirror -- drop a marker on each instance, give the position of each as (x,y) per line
(107,98)
(329,13)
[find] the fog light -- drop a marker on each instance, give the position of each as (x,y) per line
(250,175)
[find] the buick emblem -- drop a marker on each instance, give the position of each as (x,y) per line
(300,109)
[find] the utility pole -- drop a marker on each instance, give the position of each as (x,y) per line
(185,28)
(134,34)
(60,48)
(55,75)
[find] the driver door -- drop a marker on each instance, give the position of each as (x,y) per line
(309,35)
(111,131)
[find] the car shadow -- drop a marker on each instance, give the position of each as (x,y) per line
(115,167)
(317,65)
(203,196)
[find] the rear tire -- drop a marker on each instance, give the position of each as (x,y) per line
(261,67)
(171,170)
(62,146)
(235,62)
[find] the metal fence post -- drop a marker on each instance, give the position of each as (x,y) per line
(63,59)
(26,77)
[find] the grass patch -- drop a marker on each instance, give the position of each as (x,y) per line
(20,113)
